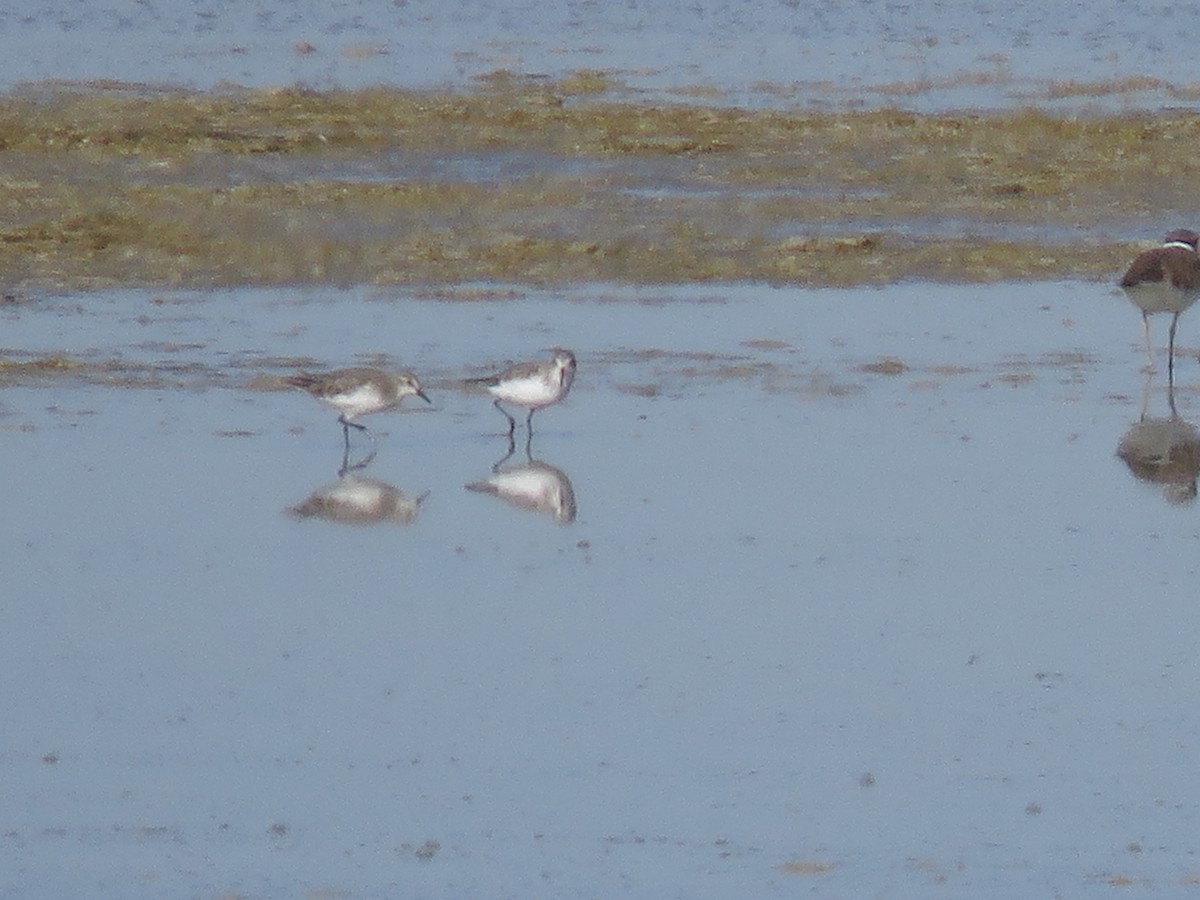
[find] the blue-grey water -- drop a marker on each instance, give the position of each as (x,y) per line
(862,593)
(858,600)
(921,53)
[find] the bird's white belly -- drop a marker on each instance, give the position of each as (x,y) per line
(528,392)
(357,401)
(1161,296)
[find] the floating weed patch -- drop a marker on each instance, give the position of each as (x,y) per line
(48,364)
(538,181)
(808,867)
(887,366)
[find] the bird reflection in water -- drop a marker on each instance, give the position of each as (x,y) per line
(532,485)
(358,500)
(347,467)
(1163,451)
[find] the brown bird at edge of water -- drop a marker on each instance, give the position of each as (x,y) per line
(1165,279)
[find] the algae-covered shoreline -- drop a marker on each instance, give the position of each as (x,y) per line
(543,182)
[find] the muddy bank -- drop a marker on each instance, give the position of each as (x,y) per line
(543,182)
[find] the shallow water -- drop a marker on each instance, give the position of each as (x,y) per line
(929,54)
(822,621)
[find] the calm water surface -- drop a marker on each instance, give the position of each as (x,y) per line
(924,53)
(855,596)
(815,627)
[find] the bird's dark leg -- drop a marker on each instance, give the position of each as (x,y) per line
(512,423)
(347,425)
(529,421)
(1171,350)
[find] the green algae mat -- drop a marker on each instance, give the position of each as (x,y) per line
(543,182)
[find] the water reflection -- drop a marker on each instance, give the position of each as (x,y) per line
(358,500)
(1163,451)
(533,484)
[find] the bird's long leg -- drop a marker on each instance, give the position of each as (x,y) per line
(512,423)
(347,425)
(1146,341)
(1171,351)
(529,421)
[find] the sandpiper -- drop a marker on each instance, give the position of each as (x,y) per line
(1165,279)
(359,392)
(531,385)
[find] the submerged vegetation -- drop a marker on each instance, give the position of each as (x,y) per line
(541,182)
